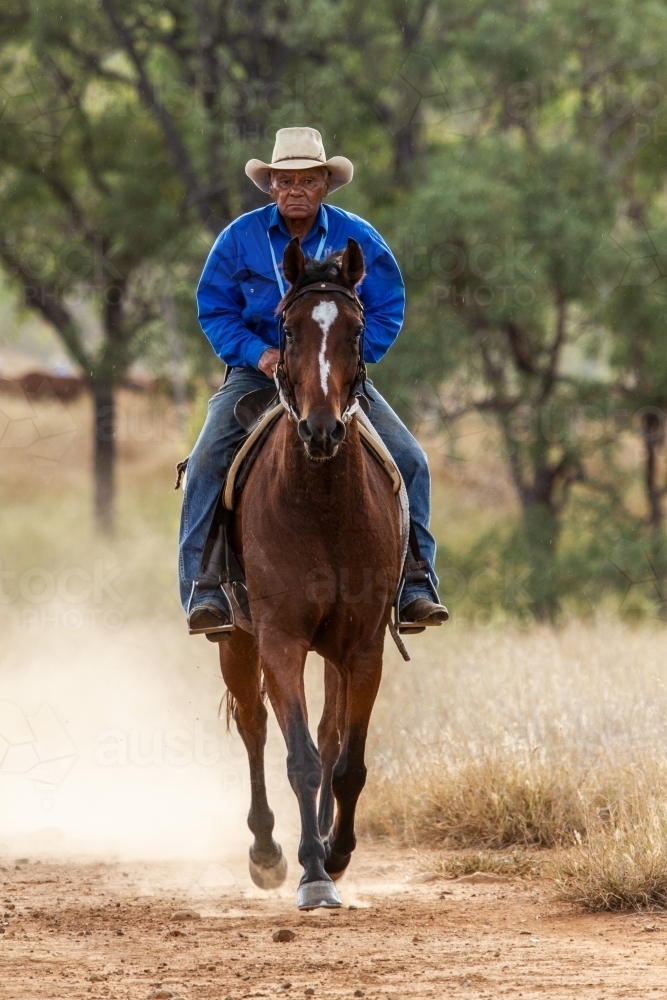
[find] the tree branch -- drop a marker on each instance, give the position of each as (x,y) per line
(556,347)
(175,144)
(46,299)
(519,348)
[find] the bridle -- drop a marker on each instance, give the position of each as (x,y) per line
(285,392)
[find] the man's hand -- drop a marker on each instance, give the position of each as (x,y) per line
(268,361)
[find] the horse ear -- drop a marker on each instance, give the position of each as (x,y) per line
(352,265)
(293,260)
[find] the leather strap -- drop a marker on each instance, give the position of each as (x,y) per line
(325,286)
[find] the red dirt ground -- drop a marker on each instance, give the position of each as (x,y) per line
(106,931)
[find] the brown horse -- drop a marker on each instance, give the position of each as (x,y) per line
(317,528)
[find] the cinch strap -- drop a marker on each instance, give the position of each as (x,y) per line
(279,277)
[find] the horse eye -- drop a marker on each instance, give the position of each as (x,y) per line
(289,335)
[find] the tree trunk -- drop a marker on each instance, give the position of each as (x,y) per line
(541,527)
(407,149)
(653,436)
(104,434)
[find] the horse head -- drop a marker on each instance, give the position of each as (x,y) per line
(322,344)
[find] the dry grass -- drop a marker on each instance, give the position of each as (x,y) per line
(545,738)
(47,525)
(514,864)
(492,802)
(620,867)
(624,872)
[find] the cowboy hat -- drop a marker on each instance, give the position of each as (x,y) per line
(299,149)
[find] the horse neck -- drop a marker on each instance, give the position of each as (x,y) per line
(336,478)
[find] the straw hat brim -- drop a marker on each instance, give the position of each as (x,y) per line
(340,167)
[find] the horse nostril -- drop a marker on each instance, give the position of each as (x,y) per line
(321,433)
(338,432)
(304,431)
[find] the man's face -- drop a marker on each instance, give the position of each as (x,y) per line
(298,193)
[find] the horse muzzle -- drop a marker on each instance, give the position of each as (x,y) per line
(321,434)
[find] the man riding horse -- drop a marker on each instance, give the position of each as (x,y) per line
(238,294)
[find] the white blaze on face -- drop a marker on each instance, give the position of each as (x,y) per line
(324,314)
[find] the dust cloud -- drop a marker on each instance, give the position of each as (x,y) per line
(111,747)
(110,742)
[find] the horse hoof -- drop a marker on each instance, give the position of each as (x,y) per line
(313,895)
(268,878)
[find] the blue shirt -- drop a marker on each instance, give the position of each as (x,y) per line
(239,289)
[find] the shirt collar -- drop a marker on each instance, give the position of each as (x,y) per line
(321,225)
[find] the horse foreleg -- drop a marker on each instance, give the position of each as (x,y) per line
(349,774)
(283,660)
(328,742)
(239,661)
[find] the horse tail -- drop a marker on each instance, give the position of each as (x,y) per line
(230,707)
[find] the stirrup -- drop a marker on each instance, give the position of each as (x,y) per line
(211,631)
(410,628)
(403,627)
(220,570)
(218,629)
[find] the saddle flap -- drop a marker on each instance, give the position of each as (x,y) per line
(251,407)
(246,454)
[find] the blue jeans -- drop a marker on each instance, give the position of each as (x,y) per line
(212,455)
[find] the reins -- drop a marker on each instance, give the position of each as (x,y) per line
(281,378)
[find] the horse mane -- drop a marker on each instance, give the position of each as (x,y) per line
(327,269)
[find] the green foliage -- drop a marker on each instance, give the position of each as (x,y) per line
(513,155)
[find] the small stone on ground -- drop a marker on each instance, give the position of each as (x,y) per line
(186,915)
(284,934)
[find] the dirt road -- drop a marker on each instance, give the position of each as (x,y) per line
(107,931)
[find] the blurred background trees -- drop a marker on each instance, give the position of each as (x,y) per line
(513,154)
